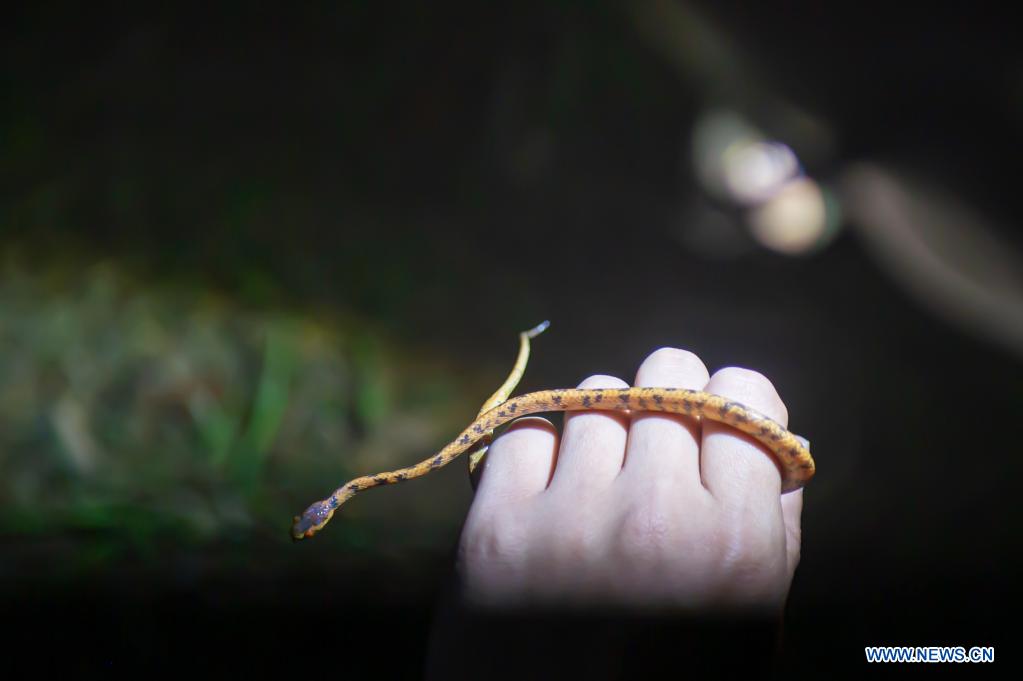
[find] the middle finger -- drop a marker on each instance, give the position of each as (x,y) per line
(592,446)
(666,447)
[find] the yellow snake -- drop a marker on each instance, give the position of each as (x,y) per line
(792,452)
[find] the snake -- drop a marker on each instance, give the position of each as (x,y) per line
(791,452)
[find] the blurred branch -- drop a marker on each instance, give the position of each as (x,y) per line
(941,250)
(709,60)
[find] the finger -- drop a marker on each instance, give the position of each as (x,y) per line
(791,513)
(519,463)
(592,445)
(739,471)
(666,447)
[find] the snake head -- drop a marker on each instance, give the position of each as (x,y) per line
(312,520)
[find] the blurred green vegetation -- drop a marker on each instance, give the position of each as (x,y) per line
(132,415)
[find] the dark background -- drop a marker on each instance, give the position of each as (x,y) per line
(431,179)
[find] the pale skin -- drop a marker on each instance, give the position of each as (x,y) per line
(649,511)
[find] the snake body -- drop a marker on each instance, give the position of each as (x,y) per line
(791,451)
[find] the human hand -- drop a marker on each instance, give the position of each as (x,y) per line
(648,511)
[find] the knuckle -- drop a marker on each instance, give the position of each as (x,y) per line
(677,357)
(742,376)
(575,545)
(675,361)
(491,538)
(793,544)
(795,555)
(794,536)
(753,557)
(643,529)
(522,435)
(603,381)
(527,423)
(749,386)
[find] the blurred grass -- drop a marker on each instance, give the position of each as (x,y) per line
(132,414)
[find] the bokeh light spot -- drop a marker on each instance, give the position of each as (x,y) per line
(795,220)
